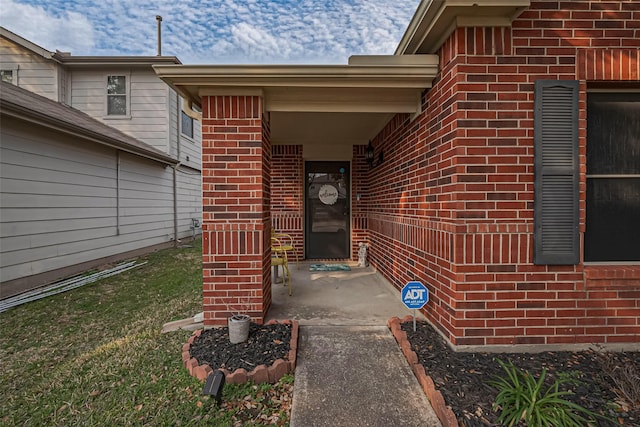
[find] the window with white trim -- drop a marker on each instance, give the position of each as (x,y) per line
(116,95)
(613,177)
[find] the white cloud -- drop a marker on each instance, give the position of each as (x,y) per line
(249,43)
(215,31)
(69,31)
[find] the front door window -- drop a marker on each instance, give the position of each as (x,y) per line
(327,210)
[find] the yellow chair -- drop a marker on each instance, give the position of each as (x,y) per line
(287,244)
(279,258)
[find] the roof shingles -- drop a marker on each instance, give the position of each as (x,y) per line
(26,105)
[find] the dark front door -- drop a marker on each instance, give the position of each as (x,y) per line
(327,210)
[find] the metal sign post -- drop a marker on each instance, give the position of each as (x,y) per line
(414,296)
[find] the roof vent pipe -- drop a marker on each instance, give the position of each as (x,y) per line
(159,19)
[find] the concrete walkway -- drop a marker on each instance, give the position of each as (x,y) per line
(355,376)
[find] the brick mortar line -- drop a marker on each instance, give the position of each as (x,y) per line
(260,374)
(445,413)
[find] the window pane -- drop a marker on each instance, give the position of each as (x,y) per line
(116,105)
(7,75)
(613,220)
(116,85)
(187,125)
(613,133)
(116,95)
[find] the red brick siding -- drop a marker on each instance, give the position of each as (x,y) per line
(609,64)
(411,200)
(287,193)
(457,183)
(359,186)
(612,276)
(235,185)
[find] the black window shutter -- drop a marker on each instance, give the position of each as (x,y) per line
(556,203)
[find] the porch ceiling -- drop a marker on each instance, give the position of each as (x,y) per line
(316,104)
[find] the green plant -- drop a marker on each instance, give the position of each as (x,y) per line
(287,379)
(522,397)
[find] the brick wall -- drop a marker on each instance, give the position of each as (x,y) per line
(287,193)
(457,183)
(236,155)
(359,200)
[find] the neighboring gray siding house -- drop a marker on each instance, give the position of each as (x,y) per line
(97,162)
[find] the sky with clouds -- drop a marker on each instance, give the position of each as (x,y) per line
(215,31)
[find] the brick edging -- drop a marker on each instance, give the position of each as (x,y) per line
(444,412)
(260,374)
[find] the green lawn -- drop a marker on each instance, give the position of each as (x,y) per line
(96,356)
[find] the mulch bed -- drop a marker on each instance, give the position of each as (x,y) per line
(266,344)
(462,377)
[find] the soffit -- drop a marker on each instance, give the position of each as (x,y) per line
(325,128)
(435,20)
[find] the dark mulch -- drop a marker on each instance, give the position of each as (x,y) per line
(266,344)
(462,377)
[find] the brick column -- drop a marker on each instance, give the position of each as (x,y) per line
(236,157)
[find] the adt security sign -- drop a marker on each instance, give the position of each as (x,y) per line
(415,295)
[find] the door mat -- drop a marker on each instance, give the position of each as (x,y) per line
(329,267)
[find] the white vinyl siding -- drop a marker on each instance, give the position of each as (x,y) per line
(58,194)
(146,197)
(189,200)
(147,118)
(33,72)
(58,201)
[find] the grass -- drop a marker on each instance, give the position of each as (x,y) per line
(96,356)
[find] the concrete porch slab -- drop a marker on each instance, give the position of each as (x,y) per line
(357,297)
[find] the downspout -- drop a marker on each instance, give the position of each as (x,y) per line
(178,121)
(175,167)
(117,192)
(175,174)
(175,205)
